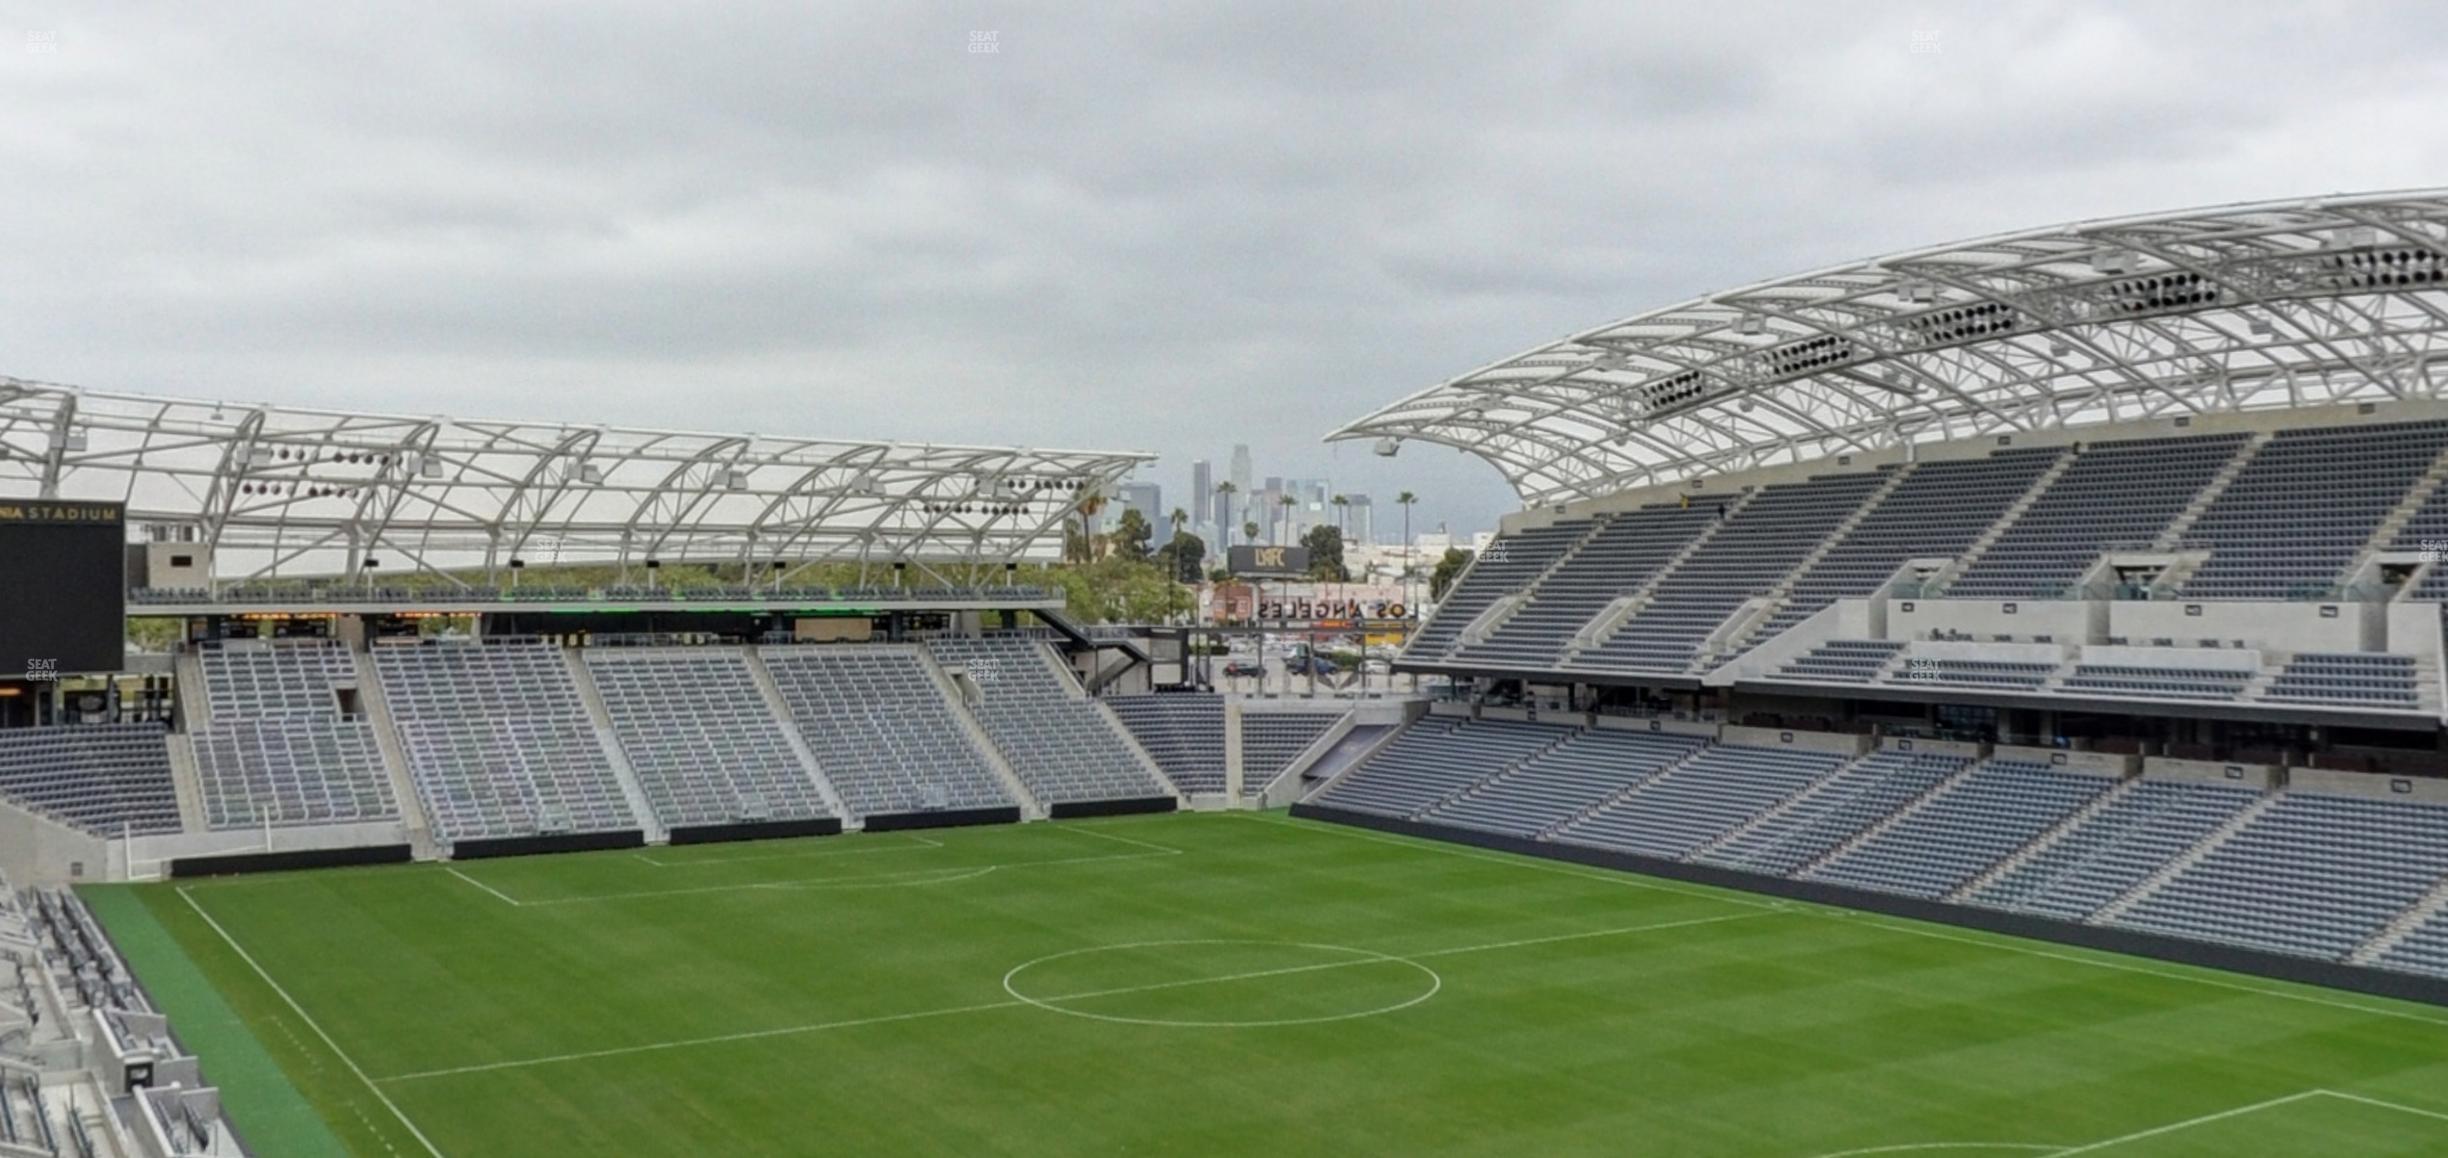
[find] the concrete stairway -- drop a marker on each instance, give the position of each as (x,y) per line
(2041,843)
(1030,807)
(422,842)
(2005,521)
(2175,531)
(609,740)
(2192,856)
(1607,622)
(771,693)
(2401,925)
(1892,819)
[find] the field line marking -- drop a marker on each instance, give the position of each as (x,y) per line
(2169,974)
(2385,1104)
(718,1039)
(1124,839)
(311,1023)
(2187,1124)
(793,1030)
(1561,937)
(1602,876)
(1910,1147)
(1376,957)
(862,880)
(505,898)
(920,843)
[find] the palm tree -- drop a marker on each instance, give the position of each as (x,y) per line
(1405,500)
(1091,501)
(1342,505)
(1287,502)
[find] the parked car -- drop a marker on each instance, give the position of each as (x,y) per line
(1243,667)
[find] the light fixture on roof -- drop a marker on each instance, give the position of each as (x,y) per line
(737,480)
(259,456)
(2262,327)
(429,467)
(2112,261)
(76,439)
(1752,324)
(2059,347)
(590,474)
(1388,447)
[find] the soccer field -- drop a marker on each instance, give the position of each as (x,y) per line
(1215,984)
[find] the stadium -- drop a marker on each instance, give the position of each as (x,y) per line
(1986,700)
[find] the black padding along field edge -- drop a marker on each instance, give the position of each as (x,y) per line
(756,830)
(1070,809)
(2132,942)
(535,845)
(945,818)
(230,864)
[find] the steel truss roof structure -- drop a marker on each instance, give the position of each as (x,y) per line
(2246,307)
(279,491)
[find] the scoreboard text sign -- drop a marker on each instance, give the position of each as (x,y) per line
(63,588)
(1262,561)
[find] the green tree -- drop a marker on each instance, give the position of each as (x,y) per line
(1326,554)
(1447,570)
(1185,557)
(1132,534)
(1249,532)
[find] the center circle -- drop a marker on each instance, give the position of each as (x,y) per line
(1351,982)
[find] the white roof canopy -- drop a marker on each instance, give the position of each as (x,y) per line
(278,490)
(2273,305)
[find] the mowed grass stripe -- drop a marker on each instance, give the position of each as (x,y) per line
(1734,1026)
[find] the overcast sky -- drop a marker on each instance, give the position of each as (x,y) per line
(1160,230)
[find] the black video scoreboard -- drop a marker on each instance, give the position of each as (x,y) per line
(63,588)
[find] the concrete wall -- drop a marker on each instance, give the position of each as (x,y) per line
(2258,777)
(37,851)
(149,856)
(1656,724)
(1915,744)
(2214,659)
(2070,620)
(1836,742)
(2275,625)
(2087,763)
(2366,784)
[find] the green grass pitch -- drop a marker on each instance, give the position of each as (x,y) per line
(1215,984)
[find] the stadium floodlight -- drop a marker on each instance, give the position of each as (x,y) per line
(590,474)
(1388,447)
(737,480)
(75,439)
(2262,327)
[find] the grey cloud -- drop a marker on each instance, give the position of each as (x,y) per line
(1160,228)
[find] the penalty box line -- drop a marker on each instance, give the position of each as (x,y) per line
(2241,1111)
(951,1011)
(908,879)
